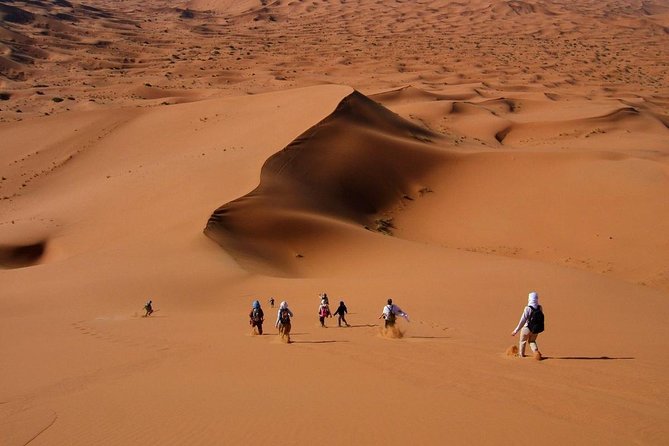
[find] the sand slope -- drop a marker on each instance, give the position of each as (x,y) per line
(451,155)
(349,168)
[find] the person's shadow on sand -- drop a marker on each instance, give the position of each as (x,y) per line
(590,358)
(427,337)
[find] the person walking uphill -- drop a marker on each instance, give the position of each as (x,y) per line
(530,325)
(341,314)
(256,316)
(283,321)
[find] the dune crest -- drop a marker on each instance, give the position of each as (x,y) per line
(351,167)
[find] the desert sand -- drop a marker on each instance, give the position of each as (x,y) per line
(451,155)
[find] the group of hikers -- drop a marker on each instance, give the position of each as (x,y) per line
(531,321)
(283,324)
(324,311)
(257,318)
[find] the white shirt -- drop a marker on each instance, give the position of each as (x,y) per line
(396,310)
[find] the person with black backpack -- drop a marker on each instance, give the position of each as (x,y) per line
(283,321)
(256,316)
(530,325)
(390,313)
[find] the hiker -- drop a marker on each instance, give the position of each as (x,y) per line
(323,312)
(283,321)
(256,316)
(271,302)
(390,313)
(530,325)
(341,313)
(148,308)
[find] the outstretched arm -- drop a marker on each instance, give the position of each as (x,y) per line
(401,313)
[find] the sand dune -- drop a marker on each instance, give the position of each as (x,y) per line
(451,155)
(611,49)
(352,166)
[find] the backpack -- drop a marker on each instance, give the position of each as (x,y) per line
(536,320)
(285,316)
(390,317)
(256,315)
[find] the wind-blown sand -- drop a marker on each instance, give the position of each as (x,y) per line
(451,155)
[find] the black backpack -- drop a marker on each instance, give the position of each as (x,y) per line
(285,316)
(536,320)
(257,315)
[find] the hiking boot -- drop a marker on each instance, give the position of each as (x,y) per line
(537,355)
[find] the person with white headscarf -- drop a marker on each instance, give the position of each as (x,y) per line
(283,321)
(529,325)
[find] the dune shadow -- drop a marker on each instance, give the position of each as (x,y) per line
(315,342)
(21,256)
(590,358)
(362,326)
(427,337)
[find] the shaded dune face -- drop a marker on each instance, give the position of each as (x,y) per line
(21,256)
(355,164)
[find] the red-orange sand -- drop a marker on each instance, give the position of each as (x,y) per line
(451,155)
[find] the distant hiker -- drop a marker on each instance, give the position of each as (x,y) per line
(271,302)
(323,312)
(148,308)
(390,313)
(530,325)
(256,316)
(341,314)
(283,321)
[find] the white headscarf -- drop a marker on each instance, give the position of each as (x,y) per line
(533,299)
(283,305)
